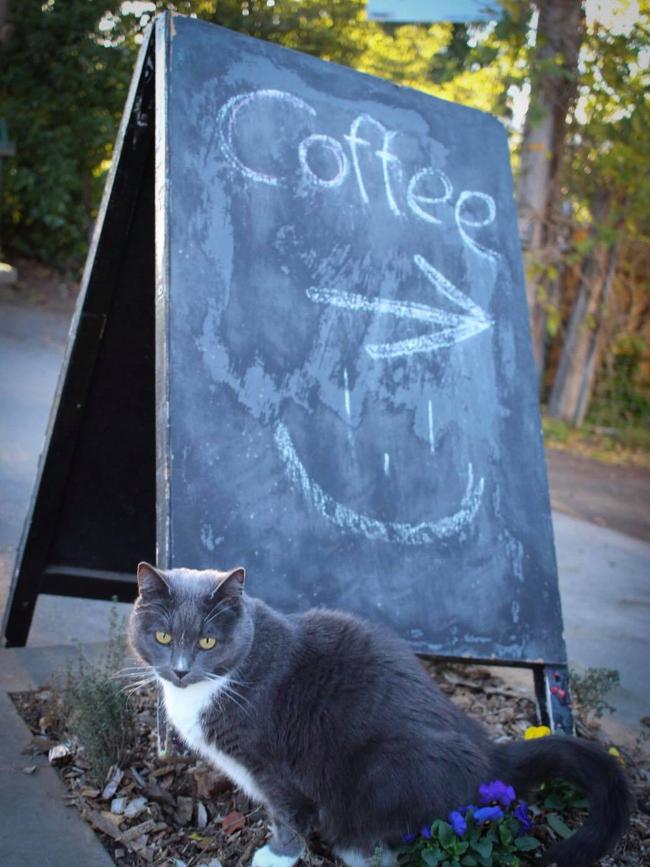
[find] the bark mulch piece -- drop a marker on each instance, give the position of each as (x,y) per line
(180,812)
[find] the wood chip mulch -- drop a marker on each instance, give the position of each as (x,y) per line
(179,812)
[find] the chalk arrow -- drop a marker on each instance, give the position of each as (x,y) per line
(450,328)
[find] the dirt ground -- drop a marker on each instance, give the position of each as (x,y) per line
(173,810)
(609,496)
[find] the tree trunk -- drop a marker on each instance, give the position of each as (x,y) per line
(574,378)
(554,86)
(5,27)
(597,340)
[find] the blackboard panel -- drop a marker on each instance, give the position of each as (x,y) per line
(352,404)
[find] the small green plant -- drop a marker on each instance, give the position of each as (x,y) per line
(560,795)
(94,707)
(589,689)
(492,835)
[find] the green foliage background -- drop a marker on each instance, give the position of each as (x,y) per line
(61,92)
(65,71)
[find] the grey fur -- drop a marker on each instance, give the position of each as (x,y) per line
(339,725)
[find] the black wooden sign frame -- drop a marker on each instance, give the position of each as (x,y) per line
(103,498)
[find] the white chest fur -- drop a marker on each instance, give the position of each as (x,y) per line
(184,706)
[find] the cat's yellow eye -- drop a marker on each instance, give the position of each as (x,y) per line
(163,637)
(207,643)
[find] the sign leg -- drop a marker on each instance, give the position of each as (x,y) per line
(21,611)
(554,698)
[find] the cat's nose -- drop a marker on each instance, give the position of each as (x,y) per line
(180,672)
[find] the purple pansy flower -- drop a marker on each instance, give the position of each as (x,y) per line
(458,823)
(426,832)
(408,837)
(521,815)
(488,814)
(497,791)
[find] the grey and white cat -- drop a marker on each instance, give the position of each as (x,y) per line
(333,725)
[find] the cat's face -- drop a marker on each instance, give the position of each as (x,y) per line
(188,625)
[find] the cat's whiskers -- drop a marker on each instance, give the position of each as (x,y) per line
(234,682)
(143,666)
(242,703)
(231,689)
(130,688)
(131,672)
(228,692)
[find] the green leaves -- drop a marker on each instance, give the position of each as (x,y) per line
(445,834)
(560,827)
(527,844)
(470,843)
(482,848)
(63,81)
(560,795)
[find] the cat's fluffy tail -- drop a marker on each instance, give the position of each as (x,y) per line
(525,764)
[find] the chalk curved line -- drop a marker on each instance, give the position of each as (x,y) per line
(473,244)
(345,518)
(226,125)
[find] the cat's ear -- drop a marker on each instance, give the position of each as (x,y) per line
(150,580)
(231,585)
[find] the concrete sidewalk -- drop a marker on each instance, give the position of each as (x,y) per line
(37,828)
(604,575)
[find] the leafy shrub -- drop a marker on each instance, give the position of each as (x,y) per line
(589,689)
(95,709)
(62,88)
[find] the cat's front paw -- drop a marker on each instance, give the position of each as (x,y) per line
(266,857)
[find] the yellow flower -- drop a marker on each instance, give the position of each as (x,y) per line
(614,752)
(533,732)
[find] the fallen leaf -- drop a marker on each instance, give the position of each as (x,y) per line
(102,823)
(113,780)
(200,815)
(161,772)
(137,831)
(138,779)
(208,782)
(29,770)
(138,844)
(135,807)
(59,755)
(233,822)
(184,810)
(154,792)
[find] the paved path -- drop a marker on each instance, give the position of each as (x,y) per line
(605,590)
(37,827)
(604,574)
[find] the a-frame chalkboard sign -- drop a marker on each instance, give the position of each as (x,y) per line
(302,345)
